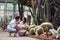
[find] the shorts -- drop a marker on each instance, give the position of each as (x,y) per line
(21,32)
(11,29)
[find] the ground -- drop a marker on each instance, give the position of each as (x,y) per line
(5,36)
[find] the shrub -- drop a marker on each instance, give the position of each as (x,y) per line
(31,31)
(36,28)
(39,31)
(47,24)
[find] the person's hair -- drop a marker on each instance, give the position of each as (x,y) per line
(17,17)
(25,19)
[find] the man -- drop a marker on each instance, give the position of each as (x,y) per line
(23,27)
(12,26)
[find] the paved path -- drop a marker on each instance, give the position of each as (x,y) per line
(5,36)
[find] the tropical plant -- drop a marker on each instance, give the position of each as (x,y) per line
(39,31)
(46,24)
(36,28)
(31,31)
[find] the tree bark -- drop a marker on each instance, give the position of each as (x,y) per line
(20,7)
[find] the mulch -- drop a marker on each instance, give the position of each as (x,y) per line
(45,38)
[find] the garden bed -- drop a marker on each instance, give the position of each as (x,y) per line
(46,38)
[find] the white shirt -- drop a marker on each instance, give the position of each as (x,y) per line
(22,25)
(12,24)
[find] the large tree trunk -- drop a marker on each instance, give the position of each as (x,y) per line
(54,12)
(14,10)
(34,12)
(40,18)
(20,7)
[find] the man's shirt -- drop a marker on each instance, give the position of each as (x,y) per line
(12,24)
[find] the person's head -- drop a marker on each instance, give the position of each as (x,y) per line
(17,18)
(24,19)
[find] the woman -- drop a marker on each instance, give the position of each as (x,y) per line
(23,27)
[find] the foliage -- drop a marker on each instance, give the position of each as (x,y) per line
(36,28)
(24,2)
(47,24)
(39,31)
(3,25)
(31,31)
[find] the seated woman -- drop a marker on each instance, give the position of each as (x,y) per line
(23,27)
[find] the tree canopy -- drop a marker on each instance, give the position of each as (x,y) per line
(25,2)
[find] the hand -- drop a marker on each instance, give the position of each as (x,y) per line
(17,23)
(25,28)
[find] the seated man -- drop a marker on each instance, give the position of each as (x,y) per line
(23,27)
(12,26)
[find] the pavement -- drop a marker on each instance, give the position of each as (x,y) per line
(5,36)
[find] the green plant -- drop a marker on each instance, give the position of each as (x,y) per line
(3,25)
(47,24)
(39,31)
(31,31)
(36,28)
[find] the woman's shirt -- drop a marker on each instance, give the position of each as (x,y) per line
(21,25)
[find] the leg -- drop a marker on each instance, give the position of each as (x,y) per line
(24,33)
(16,31)
(10,34)
(10,31)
